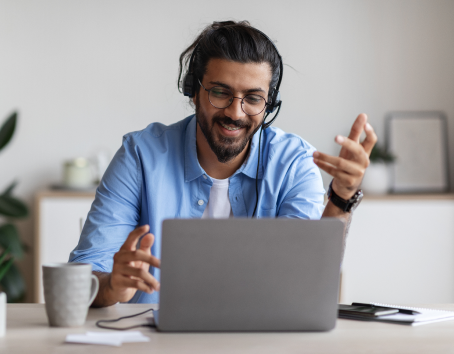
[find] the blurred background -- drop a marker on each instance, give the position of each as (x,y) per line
(81,74)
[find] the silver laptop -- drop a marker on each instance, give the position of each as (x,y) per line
(249,275)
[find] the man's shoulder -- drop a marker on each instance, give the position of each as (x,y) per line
(158,132)
(283,143)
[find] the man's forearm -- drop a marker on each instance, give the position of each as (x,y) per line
(333,211)
(105,294)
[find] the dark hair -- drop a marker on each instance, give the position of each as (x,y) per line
(235,41)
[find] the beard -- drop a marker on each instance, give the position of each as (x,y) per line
(225,148)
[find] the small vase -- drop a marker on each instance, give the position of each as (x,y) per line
(376,179)
(2,314)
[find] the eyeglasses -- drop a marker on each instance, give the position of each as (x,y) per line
(221,97)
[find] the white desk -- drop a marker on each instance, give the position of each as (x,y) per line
(28,332)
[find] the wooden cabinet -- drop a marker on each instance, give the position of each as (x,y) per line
(59,218)
(401,250)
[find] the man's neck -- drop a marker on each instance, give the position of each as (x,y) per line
(210,163)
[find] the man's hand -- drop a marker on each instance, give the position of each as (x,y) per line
(130,270)
(348,169)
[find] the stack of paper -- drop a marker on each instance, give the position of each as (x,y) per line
(107,338)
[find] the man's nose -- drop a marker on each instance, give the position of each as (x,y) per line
(235,111)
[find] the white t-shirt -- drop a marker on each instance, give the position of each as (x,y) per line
(218,206)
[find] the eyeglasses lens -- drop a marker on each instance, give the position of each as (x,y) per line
(222,98)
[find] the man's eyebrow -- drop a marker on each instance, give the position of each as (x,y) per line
(256,89)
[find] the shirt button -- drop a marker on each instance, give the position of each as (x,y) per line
(204,177)
(200,202)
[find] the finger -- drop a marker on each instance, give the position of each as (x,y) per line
(328,168)
(133,237)
(134,256)
(358,127)
(143,275)
(371,139)
(355,149)
(347,166)
(146,242)
(345,179)
(126,282)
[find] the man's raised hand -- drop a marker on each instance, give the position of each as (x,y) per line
(349,167)
(130,269)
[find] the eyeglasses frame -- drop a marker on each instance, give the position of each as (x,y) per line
(240,98)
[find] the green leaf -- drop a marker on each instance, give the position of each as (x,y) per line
(7,130)
(380,154)
(9,189)
(13,284)
(4,267)
(9,239)
(13,207)
(4,255)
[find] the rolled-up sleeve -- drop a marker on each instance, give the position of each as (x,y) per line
(115,211)
(303,193)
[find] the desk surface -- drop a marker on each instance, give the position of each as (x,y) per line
(28,332)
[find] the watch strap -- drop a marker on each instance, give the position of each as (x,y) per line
(344,205)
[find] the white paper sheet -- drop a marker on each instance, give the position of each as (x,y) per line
(107,338)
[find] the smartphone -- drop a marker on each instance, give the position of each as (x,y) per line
(365,311)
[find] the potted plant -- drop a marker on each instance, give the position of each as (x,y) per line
(11,248)
(377,177)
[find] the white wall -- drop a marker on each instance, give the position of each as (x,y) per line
(83,73)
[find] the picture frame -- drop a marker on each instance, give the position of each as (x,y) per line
(419,142)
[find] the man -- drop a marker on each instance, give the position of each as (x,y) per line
(208,165)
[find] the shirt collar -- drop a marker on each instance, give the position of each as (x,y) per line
(249,167)
(192,168)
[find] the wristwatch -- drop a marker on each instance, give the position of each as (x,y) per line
(345,205)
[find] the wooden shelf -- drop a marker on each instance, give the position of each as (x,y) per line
(64,193)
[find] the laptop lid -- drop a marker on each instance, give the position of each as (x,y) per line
(250,274)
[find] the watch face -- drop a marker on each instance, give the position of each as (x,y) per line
(358,196)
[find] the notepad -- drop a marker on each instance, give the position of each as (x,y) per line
(425,316)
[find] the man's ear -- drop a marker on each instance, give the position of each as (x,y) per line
(194,99)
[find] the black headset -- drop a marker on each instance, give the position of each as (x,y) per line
(274,96)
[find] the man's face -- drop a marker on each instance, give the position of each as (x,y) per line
(229,130)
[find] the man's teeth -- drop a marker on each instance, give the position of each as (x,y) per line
(229,128)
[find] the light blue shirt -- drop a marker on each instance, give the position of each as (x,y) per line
(155,175)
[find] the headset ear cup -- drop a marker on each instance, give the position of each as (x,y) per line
(188,85)
(270,105)
(274,99)
(277,100)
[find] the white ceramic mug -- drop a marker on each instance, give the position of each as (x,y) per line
(69,290)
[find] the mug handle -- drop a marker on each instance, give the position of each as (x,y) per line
(94,288)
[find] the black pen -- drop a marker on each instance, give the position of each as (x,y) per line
(404,311)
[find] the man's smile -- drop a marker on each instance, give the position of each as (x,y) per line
(229,128)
